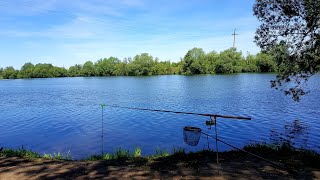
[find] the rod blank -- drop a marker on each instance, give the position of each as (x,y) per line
(179,112)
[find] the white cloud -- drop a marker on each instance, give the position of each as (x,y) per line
(102,28)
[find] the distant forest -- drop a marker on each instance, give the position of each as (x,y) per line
(196,61)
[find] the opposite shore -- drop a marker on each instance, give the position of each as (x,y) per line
(196,61)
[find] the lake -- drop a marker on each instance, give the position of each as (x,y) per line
(64,114)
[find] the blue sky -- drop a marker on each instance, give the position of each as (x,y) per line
(68,32)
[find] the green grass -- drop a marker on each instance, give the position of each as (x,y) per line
(284,153)
(29,154)
(283,148)
(58,156)
(21,152)
(137,152)
(161,153)
(118,154)
(178,150)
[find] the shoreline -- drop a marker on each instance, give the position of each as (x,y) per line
(157,75)
(302,164)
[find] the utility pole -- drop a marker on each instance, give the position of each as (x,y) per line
(234,38)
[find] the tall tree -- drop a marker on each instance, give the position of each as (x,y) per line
(106,67)
(291,29)
(1,73)
(26,71)
(88,69)
(42,70)
(10,73)
(193,61)
(75,70)
(142,64)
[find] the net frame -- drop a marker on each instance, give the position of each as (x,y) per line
(191,135)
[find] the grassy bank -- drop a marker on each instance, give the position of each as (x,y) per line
(29,154)
(176,164)
(284,154)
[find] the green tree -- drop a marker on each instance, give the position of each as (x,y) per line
(132,69)
(161,68)
(10,73)
(175,68)
(193,61)
(250,64)
(292,27)
(120,69)
(26,71)
(58,72)
(141,64)
(1,73)
(211,59)
(42,70)
(265,62)
(106,66)
(196,61)
(75,71)
(88,69)
(229,61)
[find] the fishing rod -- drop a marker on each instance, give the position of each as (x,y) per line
(180,112)
(208,135)
(210,123)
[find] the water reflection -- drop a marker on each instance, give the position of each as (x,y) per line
(294,133)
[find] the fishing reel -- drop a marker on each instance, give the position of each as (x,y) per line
(211,122)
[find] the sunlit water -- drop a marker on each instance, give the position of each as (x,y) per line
(64,114)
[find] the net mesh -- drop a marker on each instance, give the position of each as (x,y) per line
(191,135)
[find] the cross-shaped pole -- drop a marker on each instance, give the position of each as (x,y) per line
(234,38)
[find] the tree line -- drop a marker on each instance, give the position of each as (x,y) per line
(196,61)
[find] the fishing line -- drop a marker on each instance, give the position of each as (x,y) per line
(257,156)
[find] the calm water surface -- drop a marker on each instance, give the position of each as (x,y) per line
(62,114)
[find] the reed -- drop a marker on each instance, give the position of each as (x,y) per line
(178,150)
(58,156)
(29,154)
(137,152)
(161,153)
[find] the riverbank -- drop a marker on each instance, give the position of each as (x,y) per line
(233,165)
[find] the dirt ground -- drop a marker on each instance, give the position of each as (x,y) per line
(163,168)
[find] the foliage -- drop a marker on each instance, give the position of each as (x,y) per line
(21,152)
(75,70)
(193,62)
(1,73)
(291,30)
(29,154)
(10,73)
(88,69)
(196,61)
